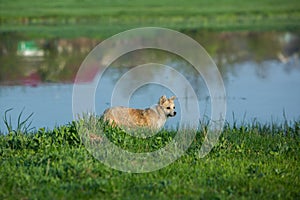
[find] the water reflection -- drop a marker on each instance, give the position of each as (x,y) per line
(261,72)
(61,58)
(58,62)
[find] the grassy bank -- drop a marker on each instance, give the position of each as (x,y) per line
(252,161)
(71,18)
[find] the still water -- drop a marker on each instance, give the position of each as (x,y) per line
(261,74)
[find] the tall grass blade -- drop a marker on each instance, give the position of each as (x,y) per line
(23,126)
(7,122)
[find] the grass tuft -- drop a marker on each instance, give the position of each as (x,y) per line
(22,126)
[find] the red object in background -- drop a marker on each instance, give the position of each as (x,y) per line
(87,74)
(33,80)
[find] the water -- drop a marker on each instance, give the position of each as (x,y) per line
(261,73)
(266,97)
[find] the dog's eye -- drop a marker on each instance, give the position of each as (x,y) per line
(174,107)
(168,107)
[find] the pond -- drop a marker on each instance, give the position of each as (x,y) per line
(260,70)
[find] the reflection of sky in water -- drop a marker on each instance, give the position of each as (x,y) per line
(263,94)
(265,97)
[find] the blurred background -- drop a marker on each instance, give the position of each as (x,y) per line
(255,44)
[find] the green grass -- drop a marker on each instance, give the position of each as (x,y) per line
(73,18)
(255,161)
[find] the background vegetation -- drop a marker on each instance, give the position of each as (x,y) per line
(73,18)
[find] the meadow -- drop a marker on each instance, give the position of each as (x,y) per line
(253,161)
(98,19)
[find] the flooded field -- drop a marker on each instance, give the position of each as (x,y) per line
(260,70)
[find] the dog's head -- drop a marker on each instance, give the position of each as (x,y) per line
(167,105)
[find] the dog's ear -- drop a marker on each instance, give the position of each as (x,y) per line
(173,98)
(162,100)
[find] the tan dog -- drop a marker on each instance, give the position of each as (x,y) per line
(152,118)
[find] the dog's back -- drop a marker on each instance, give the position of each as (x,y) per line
(133,118)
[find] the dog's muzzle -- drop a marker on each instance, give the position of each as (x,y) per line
(172,114)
